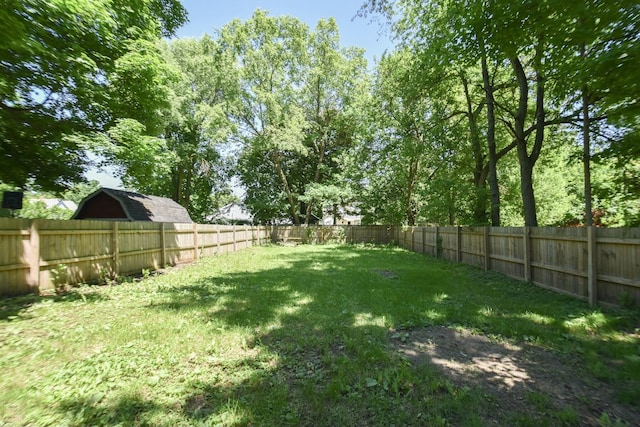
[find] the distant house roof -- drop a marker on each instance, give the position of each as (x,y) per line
(59,203)
(345,216)
(108,203)
(233,213)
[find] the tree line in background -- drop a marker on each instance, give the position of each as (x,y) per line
(486,112)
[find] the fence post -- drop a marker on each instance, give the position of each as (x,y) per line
(115,238)
(438,246)
(592,266)
(487,248)
(195,241)
(413,249)
(163,244)
(34,259)
(527,254)
(459,244)
(235,244)
(424,239)
(246,236)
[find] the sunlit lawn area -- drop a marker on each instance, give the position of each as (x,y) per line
(300,335)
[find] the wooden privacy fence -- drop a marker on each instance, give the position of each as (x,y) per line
(594,264)
(36,254)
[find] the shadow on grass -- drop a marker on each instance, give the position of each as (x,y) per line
(319,351)
(128,410)
(18,307)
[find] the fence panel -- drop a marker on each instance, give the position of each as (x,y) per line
(74,251)
(472,246)
(39,254)
(140,246)
(449,241)
(559,259)
(228,234)
(595,264)
(507,251)
(15,256)
(618,265)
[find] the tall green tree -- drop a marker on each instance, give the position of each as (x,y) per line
(295,111)
(271,54)
(601,43)
(336,83)
(557,55)
(198,127)
(73,68)
(184,160)
(452,42)
(412,144)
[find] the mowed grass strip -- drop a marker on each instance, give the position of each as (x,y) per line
(287,336)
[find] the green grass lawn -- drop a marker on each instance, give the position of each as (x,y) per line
(302,335)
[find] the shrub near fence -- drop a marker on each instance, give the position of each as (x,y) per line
(594,264)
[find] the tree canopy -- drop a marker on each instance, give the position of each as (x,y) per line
(71,69)
(486,112)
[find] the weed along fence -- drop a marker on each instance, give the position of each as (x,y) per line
(594,264)
(39,254)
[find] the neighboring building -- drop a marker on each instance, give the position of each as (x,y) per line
(344,216)
(59,203)
(233,213)
(107,203)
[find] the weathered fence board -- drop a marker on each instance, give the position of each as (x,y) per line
(507,251)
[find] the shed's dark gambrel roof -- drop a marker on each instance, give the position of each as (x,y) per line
(139,207)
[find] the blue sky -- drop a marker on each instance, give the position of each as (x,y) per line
(207,15)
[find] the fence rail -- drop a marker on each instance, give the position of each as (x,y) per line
(594,264)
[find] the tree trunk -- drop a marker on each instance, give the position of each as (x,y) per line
(528,196)
(479,175)
(285,184)
(527,161)
(410,205)
(316,177)
(491,143)
(586,159)
(586,150)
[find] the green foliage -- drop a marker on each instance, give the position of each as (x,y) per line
(71,69)
(535,63)
(79,191)
(185,162)
(59,278)
(296,111)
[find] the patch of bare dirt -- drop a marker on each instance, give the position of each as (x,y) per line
(512,374)
(386,274)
